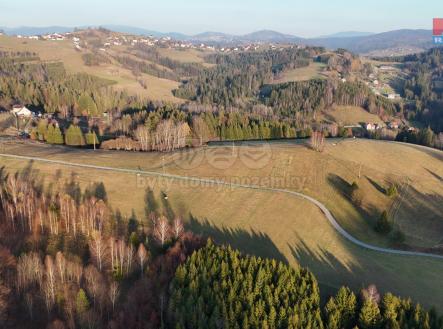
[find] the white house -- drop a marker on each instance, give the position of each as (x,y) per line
(21,111)
(394,96)
(371,126)
(393,125)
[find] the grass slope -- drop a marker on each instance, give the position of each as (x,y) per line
(313,71)
(64,51)
(351,115)
(278,225)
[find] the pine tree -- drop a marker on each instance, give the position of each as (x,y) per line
(81,302)
(57,136)
(50,134)
(74,136)
(340,310)
(87,105)
(383,225)
(91,138)
(369,317)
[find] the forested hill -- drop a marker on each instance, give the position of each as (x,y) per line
(240,76)
(424,87)
(244,80)
(270,92)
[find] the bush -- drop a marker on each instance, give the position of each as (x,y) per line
(383,226)
(356,194)
(398,237)
(391,191)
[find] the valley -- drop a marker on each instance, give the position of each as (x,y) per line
(220,180)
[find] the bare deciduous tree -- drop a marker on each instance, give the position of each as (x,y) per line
(142,255)
(113,294)
(50,278)
(161,230)
(60,263)
(98,249)
(371,293)
(317,141)
(178,228)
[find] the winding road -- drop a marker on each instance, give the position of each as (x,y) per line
(317,203)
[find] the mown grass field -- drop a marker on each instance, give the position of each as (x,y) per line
(313,71)
(278,225)
(184,55)
(351,115)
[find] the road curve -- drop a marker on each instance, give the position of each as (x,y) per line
(317,203)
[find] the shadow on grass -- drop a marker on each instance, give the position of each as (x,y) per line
(167,208)
(340,185)
(329,270)
(438,177)
(249,242)
(420,215)
(377,186)
(368,212)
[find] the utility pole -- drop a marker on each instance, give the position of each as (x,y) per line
(163,163)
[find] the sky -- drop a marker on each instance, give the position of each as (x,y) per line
(305,18)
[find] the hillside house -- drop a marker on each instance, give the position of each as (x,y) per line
(371,126)
(393,125)
(394,96)
(21,111)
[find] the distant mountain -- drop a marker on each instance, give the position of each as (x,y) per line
(30,30)
(142,31)
(270,36)
(347,34)
(212,37)
(358,42)
(364,44)
(259,36)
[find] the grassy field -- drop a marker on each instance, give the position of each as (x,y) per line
(313,71)
(64,51)
(351,115)
(273,224)
(185,55)
(326,176)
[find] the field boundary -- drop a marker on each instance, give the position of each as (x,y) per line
(331,219)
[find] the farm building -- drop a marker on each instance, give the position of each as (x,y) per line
(21,111)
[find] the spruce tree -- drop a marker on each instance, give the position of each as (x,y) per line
(57,136)
(74,136)
(383,225)
(369,317)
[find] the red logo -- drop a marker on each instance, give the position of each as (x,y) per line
(438,26)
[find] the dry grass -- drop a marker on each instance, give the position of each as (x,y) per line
(313,71)
(351,115)
(273,224)
(185,55)
(325,176)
